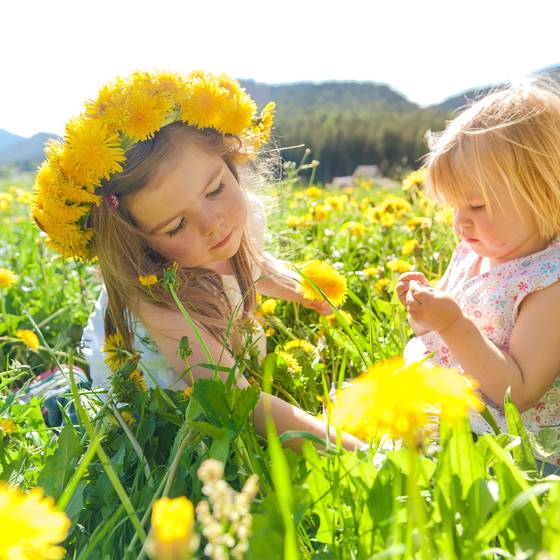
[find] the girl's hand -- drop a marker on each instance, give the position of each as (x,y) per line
(403,283)
(321,307)
(431,309)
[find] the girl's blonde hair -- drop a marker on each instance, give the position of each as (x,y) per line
(508,139)
(124,252)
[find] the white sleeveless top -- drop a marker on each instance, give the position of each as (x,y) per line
(153,361)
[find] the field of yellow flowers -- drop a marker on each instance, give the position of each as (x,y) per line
(172,475)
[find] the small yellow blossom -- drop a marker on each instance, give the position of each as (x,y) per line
(269,332)
(7,426)
(320,212)
(419,221)
(332,318)
(445,217)
(29,338)
(117,354)
(138,378)
(306,346)
(410,246)
(7,278)
(371,270)
(268,306)
(333,285)
(336,202)
(187,392)
(149,280)
(398,265)
(173,536)
(128,417)
(381,285)
(31,528)
(356,229)
(414,180)
(388,220)
(314,192)
(291,362)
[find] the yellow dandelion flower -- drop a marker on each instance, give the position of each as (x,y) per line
(304,345)
(117,354)
(138,378)
(237,114)
(172,534)
(261,133)
(410,246)
(314,192)
(204,102)
(414,180)
(128,417)
(419,221)
(397,400)
(187,392)
(92,151)
(144,113)
(381,285)
(7,426)
(371,270)
(108,104)
(29,338)
(444,217)
(269,332)
(149,280)
(290,361)
(388,220)
(332,318)
(7,278)
(268,306)
(320,212)
(336,202)
(356,229)
(320,274)
(31,527)
(398,265)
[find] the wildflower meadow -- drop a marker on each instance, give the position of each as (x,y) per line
(140,473)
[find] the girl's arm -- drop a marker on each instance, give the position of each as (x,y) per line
(533,360)
(271,286)
(167,327)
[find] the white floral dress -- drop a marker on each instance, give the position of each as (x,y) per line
(491,300)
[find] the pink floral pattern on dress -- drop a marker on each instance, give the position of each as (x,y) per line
(491,300)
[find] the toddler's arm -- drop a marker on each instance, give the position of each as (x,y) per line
(533,361)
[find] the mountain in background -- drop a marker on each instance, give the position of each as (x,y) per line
(345,124)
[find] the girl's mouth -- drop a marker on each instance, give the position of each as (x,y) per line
(223,241)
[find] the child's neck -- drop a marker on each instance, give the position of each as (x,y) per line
(221,267)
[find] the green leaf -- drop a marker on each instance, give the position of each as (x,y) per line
(523,453)
(211,395)
(546,443)
(59,467)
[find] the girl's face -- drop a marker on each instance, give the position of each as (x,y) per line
(193,210)
(507,232)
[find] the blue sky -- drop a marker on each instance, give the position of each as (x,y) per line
(56,54)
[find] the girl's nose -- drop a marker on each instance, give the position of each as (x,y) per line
(210,223)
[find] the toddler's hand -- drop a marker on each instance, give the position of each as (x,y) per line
(431,309)
(404,281)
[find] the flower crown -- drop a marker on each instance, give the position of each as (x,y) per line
(126,112)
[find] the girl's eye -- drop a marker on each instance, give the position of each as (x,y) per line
(217,191)
(478,206)
(178,229)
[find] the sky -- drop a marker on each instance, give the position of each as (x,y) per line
(56,54)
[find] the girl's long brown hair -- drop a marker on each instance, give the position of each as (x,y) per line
(124,253)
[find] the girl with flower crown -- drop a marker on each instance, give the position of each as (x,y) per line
(495,312)
(155,173)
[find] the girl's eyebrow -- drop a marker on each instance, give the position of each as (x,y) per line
(211,179)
